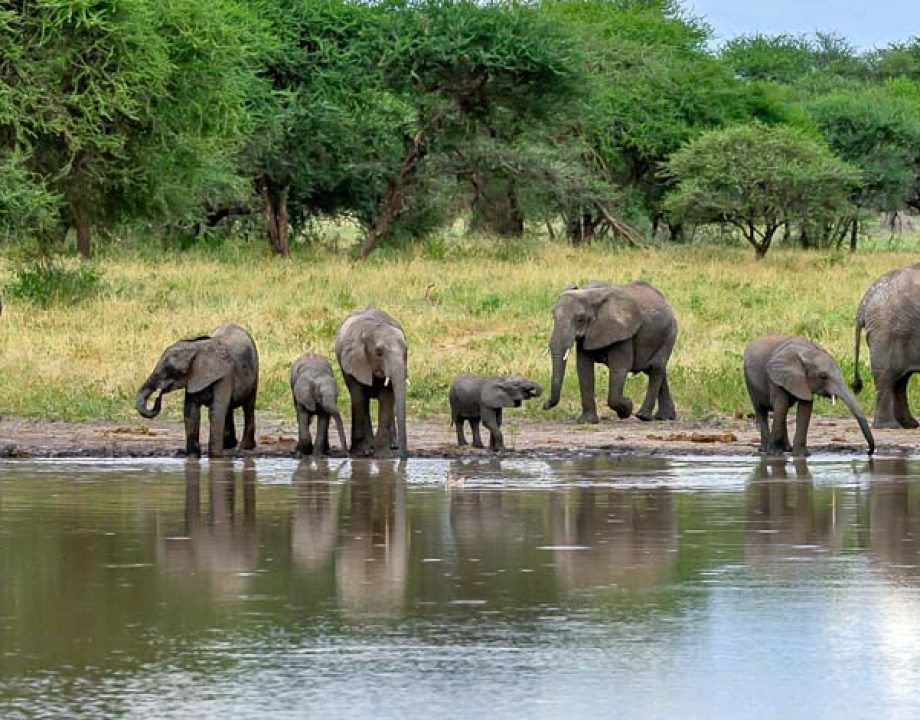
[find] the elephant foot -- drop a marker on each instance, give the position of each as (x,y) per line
(248,445)
(644,416)
(800,452)
(478,444)
(910,423)
(588,418)
(229,443)
(886,424)
(623,408)
(192,451)
(305,448)
(666,415)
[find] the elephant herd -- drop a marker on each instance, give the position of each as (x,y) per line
(629,328)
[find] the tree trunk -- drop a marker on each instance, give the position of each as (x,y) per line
(275,214)
(84,243)
(581,228)
(854,234)
(496,208)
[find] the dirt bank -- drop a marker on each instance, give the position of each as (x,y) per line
(28,437)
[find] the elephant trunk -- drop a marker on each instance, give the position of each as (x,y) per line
(340,428)
(850,401)
(555,390)
(857,380)
(141,404)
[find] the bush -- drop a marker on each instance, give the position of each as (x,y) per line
(49,281)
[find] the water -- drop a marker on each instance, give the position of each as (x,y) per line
(656,588)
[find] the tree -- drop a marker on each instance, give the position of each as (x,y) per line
(125,108)
(759,179)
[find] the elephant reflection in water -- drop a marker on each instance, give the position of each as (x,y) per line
(315,525)
(894,517)
(630,533)
(785,518)
(372,560)
(221,544)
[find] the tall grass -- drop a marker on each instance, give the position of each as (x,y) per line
(482,308)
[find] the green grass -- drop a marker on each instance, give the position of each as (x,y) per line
(467,307)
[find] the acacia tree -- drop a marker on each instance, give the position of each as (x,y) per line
(759,180)
(125,108)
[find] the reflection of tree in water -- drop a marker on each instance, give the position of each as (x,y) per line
(372,560)
(894,516)
(315,525)
(220,544)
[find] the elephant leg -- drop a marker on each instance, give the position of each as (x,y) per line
(902,411)
(655,379)
(362,433)
(763,425)
(458,425)
(229,431)
(884,401)
(779,439)
(666,409)
(249,424)
(321,446)
(477,437)
(217,416)
(802,420)
(619,361)
(191,414)
(491,421)
(585,368)
(304,441)
(385,420)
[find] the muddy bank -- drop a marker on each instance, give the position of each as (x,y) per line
(29,437)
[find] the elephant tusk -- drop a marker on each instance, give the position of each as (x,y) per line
(566,356)
(386,381)
(833,399)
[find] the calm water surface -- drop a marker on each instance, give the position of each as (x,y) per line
(686,588)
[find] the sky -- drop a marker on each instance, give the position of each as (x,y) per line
(865,23)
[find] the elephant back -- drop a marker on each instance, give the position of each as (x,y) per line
(890,308)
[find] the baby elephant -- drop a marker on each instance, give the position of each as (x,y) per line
(781,370)
(475,398)
(315,393)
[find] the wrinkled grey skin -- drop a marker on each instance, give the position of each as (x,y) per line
(315,395)
(219,371)
(782,370)
(476,398)
(628,328)
(890,313)
(372,352)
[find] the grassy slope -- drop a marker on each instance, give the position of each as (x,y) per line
(487,312)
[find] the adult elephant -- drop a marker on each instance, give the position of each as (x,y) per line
(890,313)
(628,328)
(220,371)
(372,351)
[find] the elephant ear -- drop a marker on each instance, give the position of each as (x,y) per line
(617,319)
(354,360)
(786,368)
(501,393)
(303,391)
(211,363)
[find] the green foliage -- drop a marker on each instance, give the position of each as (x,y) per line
(759,179)
(49,281)
(792,59)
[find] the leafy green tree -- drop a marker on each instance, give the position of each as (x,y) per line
(125,108)
(759,180)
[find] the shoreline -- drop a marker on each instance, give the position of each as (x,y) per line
(24,437)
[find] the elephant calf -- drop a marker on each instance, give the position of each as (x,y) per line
(474,398)
(221,371)
(315,394)
(782,370)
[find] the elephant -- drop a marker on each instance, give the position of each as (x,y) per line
(372,351)
(890,313)
(221,371)
(628,328)
(315,394)
(475,397)
(782,370)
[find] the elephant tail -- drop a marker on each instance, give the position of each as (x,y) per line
(857,380)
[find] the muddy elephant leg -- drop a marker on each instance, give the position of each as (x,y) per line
(901,405)
(458,426)
(304,441)
(490,420)
(779,439)
(802,420)
(655,380)
(229,431)
(362,433)
(585,368)
(619,360)
(666,409)
(249,424)
(385,419)
(761,413)
(217,416)
(884,400)
(477,437)
(321,446)
(191,414)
